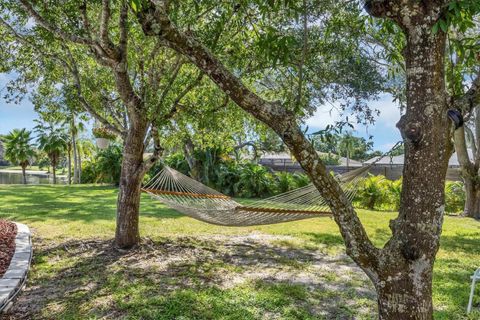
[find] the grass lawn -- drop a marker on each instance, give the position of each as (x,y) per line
(186,269)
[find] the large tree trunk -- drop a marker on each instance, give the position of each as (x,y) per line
(128,204)
(405,296)
(409,256)
(472,201)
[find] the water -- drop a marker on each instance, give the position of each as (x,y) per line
(17,178)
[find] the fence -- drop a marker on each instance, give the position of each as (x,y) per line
(391,172)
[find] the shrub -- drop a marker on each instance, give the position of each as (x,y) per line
(394,189)
(177,161)
(105,167)
(372,192)
(227,176)
(255,181)
(285,181)
(301,180)
(454,196)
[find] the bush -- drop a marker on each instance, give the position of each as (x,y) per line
(255,181)
(301,180)
(285,181)
(372,192)
(454,196)
(105,167)
(394,189)
(227,177)
(177,161)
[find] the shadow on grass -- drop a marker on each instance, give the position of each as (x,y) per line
(185,279)
(88,203)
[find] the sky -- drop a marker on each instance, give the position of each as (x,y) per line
(384,132)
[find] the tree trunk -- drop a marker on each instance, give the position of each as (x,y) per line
(128,204)
(24,174)
(79,168)
(410,254)
(69,174)
(472,201)
(75,159)
(54,169)
(405,296)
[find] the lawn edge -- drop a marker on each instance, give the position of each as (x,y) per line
(14,279)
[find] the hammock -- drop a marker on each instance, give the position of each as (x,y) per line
(200,202)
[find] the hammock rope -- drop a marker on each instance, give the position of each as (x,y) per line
(201,202)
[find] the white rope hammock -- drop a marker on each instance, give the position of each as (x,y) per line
(200,202)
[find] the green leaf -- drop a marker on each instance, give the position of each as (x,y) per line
(135,4)
(443,25)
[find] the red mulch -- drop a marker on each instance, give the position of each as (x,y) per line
(8,232)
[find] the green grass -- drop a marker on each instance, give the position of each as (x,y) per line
(78,275)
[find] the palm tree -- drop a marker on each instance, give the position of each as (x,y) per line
(18,149)
(54,142)
(346,146)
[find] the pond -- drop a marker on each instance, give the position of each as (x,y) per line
(16,178)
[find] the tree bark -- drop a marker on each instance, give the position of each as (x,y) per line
(469,168)
(24,174)
(54,168)
(472,201)
(405,296)
(127,232)
(69,174)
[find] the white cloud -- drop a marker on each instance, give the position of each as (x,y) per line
(389,111)
(324,116)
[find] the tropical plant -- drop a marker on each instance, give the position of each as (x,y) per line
(285,182)
(53,141)
(18,149)
(455,196)
(227,177)
(255,181)
(301,180)
(394,189)
(109,164)
(371,191)
(177,161)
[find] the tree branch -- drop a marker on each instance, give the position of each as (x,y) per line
(53,29)
(155,22)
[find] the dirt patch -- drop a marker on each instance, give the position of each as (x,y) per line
(83,274)
(8,232)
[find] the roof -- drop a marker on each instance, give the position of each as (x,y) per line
(399,160)
(387,160)
(285,156)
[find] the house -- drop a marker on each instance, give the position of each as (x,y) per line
(392,167)
(283,161)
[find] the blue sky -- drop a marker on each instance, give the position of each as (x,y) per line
(384,132)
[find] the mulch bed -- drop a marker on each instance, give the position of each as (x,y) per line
(8,232)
